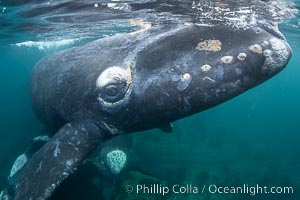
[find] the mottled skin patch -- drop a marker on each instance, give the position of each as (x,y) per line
(209,45)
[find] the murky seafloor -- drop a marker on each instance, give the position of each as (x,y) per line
(251,139)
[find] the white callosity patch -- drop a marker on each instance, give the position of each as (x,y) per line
(18,164)
(276,56)
(116,161)
(209,45)
(267,52)
(242,56)
(227,59)
(184,82)
(186,76)
(205,68)
(256,48)
(265,43)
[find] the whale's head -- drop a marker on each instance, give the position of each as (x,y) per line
(183,71)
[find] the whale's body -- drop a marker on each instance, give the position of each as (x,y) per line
(138,81)
(173,72)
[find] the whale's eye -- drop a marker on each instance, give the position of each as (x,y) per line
(113,84)
(111,90)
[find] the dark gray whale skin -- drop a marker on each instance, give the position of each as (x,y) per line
(133,82)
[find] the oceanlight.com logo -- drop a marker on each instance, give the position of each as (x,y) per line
(212,189)
(251,190)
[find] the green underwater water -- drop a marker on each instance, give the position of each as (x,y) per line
(251,139)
